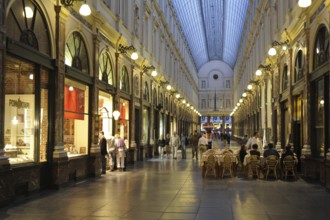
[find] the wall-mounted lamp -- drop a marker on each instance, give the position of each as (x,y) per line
(272,50)
(84,10)
(260,67)
(124,49)
(148,68)
(304,3)
(116,114)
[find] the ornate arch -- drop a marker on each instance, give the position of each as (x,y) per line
(106,68)
(124,80)
(285,78)
(146,91)
(321,47)
(28,25)
(299,66)
(76,52)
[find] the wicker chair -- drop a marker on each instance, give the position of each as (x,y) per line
(289,167)
(211,165)
(255,165)
(271,165)
(227,165)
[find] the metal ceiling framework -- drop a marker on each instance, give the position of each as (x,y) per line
(213,28)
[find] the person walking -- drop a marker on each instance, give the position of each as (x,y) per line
(184,143)
(175,143)
(167,145)
(194,145)
(104,153)
(202,145)
(161,145)
(121,152)
(112,152)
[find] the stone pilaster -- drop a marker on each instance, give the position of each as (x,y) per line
(132,145)
(60,157)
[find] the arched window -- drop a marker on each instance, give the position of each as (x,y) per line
(124,80)
(76,52)
(321,47)
(285,78)
(166,103)
(154,93)
(105,68)
(146,92)
(28,26)
(161,100)
(299,66)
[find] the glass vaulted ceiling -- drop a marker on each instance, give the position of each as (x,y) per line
(213,28)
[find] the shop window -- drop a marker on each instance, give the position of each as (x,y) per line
(299,67)
(124,80)
(105,112)
(146,92)
(124,120)
(285,78)
(318,130)
(28,26)
(75,118)
(19,126)
(105,68)
(321,47)
(76,53)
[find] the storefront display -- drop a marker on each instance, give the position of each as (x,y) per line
(75,118)
(124,120)
(105,112)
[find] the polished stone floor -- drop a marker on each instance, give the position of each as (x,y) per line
(174,189)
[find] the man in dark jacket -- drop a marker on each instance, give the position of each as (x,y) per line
(104,153)
(271,151)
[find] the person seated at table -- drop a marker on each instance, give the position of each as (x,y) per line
(271,151)
(254,150)
(287,152)
(242,153)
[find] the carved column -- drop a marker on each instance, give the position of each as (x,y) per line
(116,103)
(4,162)
(143,146)
(60,156)
(132,146)
(95,151)
(306,151)
(151,122)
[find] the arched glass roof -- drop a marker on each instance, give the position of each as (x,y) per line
(213,28)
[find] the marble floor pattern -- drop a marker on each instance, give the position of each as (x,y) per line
(175,189)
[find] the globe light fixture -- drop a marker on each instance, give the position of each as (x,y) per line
(249,87)
(168,87)
(304,3)
(135,56)
(116,114)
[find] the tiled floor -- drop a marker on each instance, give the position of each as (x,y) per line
(174,189)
